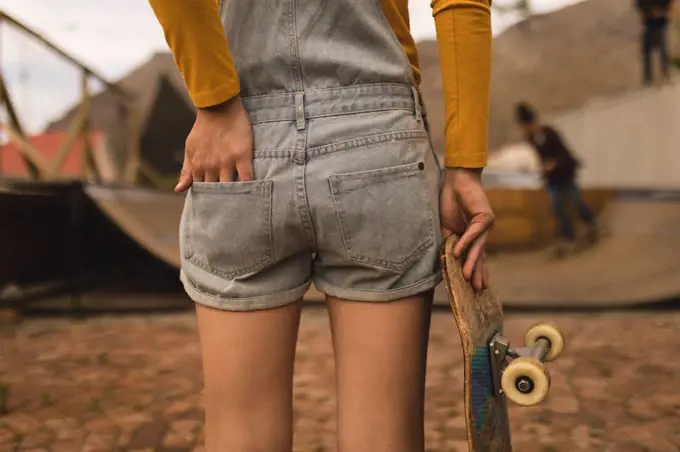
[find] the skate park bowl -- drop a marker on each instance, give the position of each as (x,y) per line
(636,261)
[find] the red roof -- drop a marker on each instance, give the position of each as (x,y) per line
(48,144)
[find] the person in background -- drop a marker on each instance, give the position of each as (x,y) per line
(310,161)
(655,16)
(559,168)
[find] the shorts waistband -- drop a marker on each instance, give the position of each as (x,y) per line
(300,106)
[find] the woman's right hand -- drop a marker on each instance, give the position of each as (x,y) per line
(219,146)
(465,210)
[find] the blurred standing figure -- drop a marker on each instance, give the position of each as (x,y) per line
(655,15)
(559,168)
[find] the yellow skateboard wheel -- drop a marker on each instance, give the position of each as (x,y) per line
(549,332)
(525,381)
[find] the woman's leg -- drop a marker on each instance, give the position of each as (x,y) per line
(248,374)
(585,213)
(558,200)
(380,355)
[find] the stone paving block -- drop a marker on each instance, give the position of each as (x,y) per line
(72,434)
(20,422)
(134,384)
(177,441)
(101,439)
(37,439)
(57,425)
(177,409)
(180,439)
(66,445)
(562,405)
(6,435)
(149,435)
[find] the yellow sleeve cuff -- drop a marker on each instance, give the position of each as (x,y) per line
(453,160)
(215,96)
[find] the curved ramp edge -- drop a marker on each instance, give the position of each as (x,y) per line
(637,262)
(150,217)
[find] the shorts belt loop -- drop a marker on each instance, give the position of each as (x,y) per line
(300,111)
(416,101)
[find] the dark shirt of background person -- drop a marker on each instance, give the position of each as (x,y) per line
(654,12)
(550,146)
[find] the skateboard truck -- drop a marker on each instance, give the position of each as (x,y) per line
(524,379)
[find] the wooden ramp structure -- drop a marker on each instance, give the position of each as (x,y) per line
(78,133)
(636,262)
(107,129)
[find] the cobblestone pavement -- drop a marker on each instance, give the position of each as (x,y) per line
(133,384)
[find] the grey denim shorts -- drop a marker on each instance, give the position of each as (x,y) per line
(346,196)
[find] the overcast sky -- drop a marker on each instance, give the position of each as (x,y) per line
(113,37)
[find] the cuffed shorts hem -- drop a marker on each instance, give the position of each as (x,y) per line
(375,295)
(258,303)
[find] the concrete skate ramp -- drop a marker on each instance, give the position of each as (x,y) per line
(637,262)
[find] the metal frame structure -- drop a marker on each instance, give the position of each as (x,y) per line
(38,166)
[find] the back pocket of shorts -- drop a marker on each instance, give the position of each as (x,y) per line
(227,227)
(385,215)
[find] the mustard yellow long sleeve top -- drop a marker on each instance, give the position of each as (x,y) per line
(194,34)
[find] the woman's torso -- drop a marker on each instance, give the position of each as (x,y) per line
(302,45)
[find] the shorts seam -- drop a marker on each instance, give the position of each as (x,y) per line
(366,141)
(377,295)
(367,109)
(360,142)
(362,88)
(395,266)
(278,106)
(273,153)
(256,266)
(255,303)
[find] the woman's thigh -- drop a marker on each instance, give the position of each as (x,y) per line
(248,376)
(380,352)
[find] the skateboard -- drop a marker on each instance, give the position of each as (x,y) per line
(494,371)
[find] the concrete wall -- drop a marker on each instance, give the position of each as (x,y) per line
(628,142)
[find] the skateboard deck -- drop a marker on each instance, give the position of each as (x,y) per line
(479,316)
